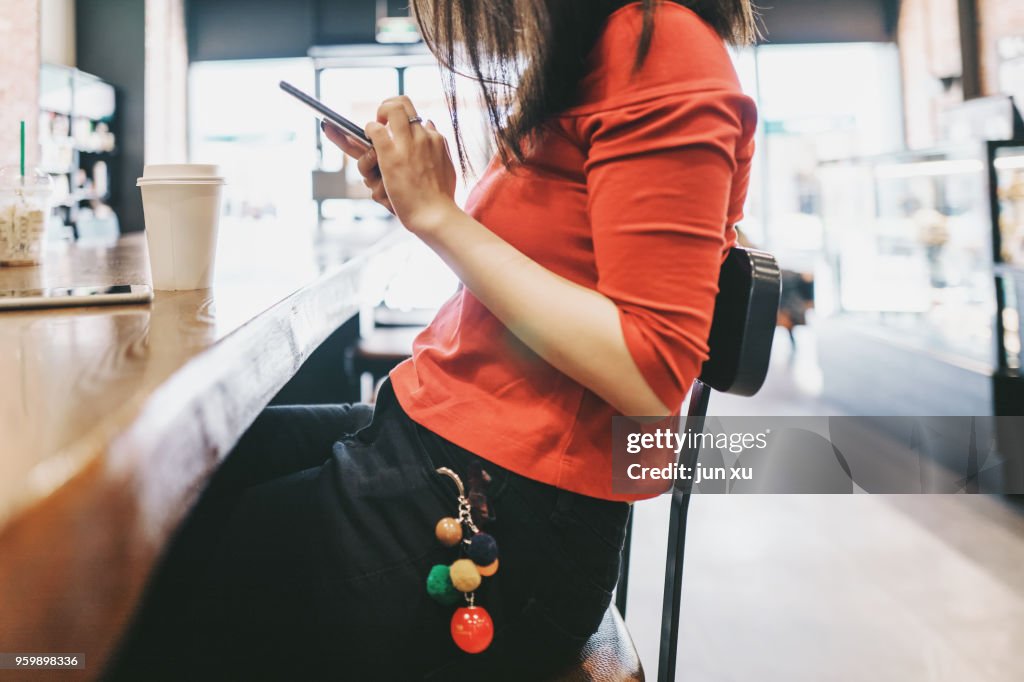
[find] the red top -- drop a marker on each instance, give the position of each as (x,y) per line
(635,195)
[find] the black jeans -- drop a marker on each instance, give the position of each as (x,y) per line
(307,556)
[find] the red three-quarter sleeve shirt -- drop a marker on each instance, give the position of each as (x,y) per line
(634,192)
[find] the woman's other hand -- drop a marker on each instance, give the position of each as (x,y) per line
(413,161)
(366,162)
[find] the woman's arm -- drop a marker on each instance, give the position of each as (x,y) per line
(575,329)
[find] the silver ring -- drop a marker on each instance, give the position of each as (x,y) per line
(415,119)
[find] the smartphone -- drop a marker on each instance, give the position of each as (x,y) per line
(354,132)
(64,297)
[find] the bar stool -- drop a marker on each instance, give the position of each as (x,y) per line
(386,345)
(740,346)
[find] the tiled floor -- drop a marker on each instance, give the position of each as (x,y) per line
(821,588)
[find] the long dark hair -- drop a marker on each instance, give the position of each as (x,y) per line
(528,56)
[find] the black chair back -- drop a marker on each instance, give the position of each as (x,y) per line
(740,347)
(744,323)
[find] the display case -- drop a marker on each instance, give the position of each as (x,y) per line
(924,261)
(909,249)
(1006,177)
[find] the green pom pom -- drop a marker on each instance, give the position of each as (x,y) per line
(440,588)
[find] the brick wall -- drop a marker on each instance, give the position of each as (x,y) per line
(997,19)
(929,40)
(19,77)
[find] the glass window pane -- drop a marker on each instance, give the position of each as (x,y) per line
(844,104)
(264,140)
(423,84)
(356,94)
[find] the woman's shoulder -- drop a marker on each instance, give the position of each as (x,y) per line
(686,55)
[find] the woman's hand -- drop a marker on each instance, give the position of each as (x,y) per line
(409,170)
(415,165)
(366,162)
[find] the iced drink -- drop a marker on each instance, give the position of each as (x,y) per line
(24,212)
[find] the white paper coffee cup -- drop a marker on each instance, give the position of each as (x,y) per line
(182,204)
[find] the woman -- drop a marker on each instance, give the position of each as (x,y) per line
(589,253)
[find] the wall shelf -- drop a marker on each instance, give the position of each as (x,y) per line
(77,144)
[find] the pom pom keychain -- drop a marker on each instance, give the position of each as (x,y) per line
(472,628)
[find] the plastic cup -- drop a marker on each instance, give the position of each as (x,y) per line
(182,204)
(25,203)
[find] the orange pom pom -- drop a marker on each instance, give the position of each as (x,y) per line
(488,570)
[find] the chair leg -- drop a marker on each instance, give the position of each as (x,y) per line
(622,586)
(677,538)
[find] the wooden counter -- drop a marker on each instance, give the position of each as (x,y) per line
(111,418)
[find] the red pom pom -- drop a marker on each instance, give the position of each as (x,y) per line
(472,629)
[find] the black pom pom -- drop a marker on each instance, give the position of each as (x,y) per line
(483,550)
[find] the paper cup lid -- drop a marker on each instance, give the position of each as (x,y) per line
(180,181)
(166,171)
